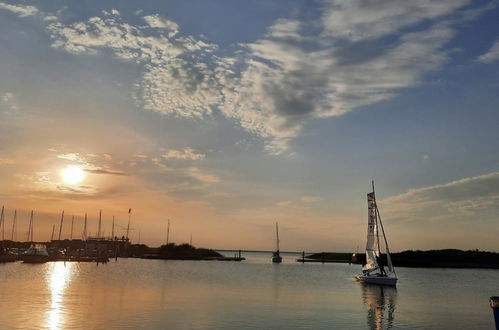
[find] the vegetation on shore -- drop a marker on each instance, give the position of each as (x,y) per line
(173,251)
(448,258)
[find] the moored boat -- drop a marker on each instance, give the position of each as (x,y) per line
(374,270)
(276,256)
(37,253)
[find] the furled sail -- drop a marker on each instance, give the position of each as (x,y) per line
(372,246)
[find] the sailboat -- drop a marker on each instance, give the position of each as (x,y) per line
(276,257)
(374,271)
(37,253)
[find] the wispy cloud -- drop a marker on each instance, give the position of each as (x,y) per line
(460,197)
(20,10)
(184,154)
(492,55)
(7,100)
(7,161)
(295,74)
(201,176)
(105,171)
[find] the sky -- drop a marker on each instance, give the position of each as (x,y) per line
(227,116)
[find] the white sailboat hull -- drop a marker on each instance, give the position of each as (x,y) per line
(377,279)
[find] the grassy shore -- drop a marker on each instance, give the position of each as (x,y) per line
(448,258)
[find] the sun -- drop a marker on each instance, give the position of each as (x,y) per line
(72,174)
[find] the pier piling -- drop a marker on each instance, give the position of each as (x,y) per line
(494,303)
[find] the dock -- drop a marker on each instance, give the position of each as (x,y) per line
(323,260)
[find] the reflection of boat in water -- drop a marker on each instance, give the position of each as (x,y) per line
(37,253)
(380,304)
(374,270)
(276,257)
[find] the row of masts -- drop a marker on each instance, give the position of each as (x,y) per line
(13,234)
(84,235)
(30,233)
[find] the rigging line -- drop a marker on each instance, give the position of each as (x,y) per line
(384,236)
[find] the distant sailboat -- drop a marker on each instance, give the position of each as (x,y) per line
(276,257)
(374,270)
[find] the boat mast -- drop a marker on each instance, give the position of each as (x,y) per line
(168,233)
(60,226)
(100,223)
(128,226)
(85,228)
(277,233)
(2,223)
(390,265)
(376,219)
(72,222)
(31,226)
(14,225)
(112,230)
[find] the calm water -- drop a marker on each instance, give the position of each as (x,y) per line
(157,294)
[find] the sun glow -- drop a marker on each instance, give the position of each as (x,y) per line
(72,174)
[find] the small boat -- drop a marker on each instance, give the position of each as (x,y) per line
(37,253)
(374,271)
(276,257)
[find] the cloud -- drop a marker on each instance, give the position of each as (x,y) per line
(469,195)
(184,154)
(104,171)
(354,54)
(74,157)
(357,53)
(203,177)
(356,20)
(492,55)
(7,161)
(425,156)
(176,78)
(156,21)
(20,10)
(7,99)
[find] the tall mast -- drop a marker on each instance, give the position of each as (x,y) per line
(30,226)
(72,222)
(60,226)
(85,228)
(376,219)
(128,226)
(100,223)
(389,259)
(14,225)
(2,223)
(277,232)
(168,232)
(112,230)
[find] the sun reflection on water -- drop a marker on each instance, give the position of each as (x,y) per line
(58,280)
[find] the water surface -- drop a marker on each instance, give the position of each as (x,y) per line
(158,294)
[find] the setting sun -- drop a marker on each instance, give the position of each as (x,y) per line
(72,174)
